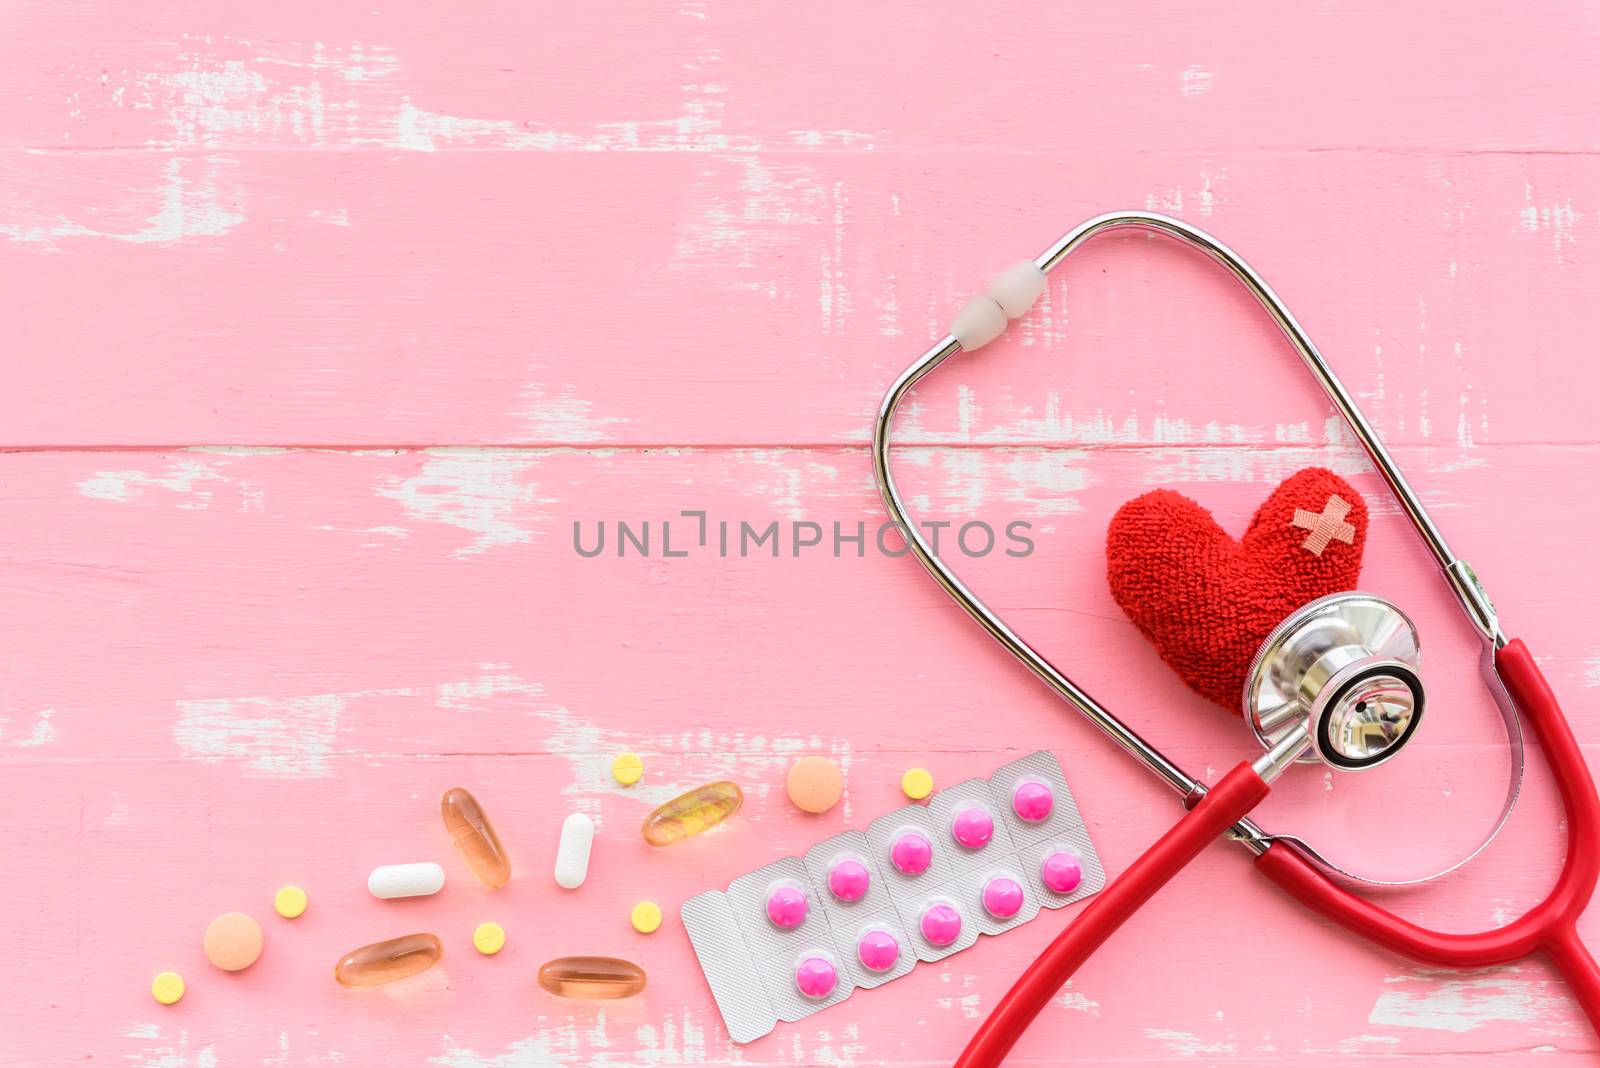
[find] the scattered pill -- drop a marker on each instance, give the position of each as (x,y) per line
(289,902)
(232,941)
(848,879)
(167,988)
(816,977)
(572,853)
(594,978)
(917,783)
(787,905)
(1033,801)
(911,853)
(645,917)
(384,962)
(878,950)
(815,784)
(1002,897)
(1062,871)
(941,924)
(406,880)
(474,836)
(973,827)
(627,768)
(689,814)
(489,938)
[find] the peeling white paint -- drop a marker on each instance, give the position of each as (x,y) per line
(170,1053)
(485,494)
(356,94)
(1071,999)
(580,1039)
(1557,218)
(564,417)
(1448,1001)
(1195,81)
(739,231)
(189,206)
(28,735)
(191,478)
(777,476)
(287,736)
(1187,1044)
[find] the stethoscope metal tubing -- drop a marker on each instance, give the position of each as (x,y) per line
(1458,574)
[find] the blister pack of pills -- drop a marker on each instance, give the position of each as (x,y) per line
(860,909)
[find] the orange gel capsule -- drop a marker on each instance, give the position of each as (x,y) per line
(474,836)
(594,978)
(384,962)
(698,810)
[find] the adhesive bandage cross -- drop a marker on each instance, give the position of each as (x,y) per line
(1325,526)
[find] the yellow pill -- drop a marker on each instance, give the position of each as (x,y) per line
(489,938)
(646,917)
(627,768)
(167,988)
(917,783)
(290,902)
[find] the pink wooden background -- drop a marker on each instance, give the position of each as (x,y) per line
(325,321)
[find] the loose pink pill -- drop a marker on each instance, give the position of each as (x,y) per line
(1002,897)
(973,827)
(816,977)
(1033,801)
(786,906)
(941,924)
(848,880)
(911,853)
(879,950)
(1062,871)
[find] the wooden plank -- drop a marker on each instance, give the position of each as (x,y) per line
(710,75)
(293,298)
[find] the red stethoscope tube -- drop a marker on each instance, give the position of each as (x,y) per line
(1550,926)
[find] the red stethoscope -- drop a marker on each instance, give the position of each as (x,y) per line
(1335,683)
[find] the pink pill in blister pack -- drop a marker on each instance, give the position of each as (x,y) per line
(848,879)
(787,905)
(815,976)
(911,852)
(941,923)
(1002,897)
(1061,870)
(919,883)
(972,826)
(1033,800)
(878,949)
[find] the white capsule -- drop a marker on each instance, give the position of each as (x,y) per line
(406,880)
(572,855)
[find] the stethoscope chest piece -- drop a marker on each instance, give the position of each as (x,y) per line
(1343,671)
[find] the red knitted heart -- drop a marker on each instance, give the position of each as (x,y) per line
(1207,602)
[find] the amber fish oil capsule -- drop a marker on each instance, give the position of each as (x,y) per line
(474,837)
(384,962)
(688,814)
(592,978)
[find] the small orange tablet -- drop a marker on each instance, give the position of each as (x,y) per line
(233,941)
(815,784)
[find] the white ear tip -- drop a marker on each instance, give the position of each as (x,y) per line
(978,323)
(1017,287)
